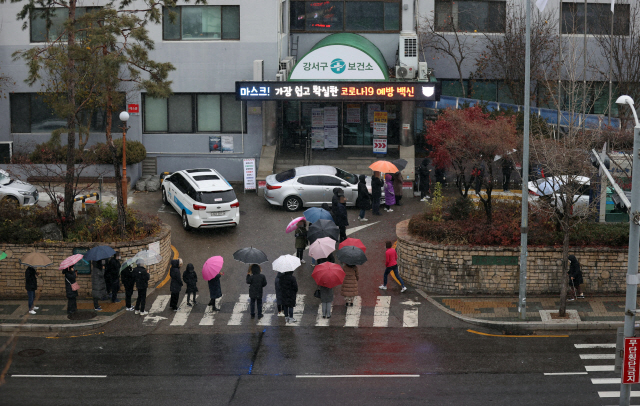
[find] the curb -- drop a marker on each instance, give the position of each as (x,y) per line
(526,325)
(9,328)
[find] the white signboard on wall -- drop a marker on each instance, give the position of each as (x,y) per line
(339,62)
(249,174)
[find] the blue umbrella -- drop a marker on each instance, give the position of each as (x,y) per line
(316,213)
(99,253)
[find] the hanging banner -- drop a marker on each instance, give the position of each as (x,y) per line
(330,116)
(331,137)
(227,143)
(317,138)
(380,123)
(353,114)
(379,145)
(630,364)
(372,108)
(249,173)
(215,143)
(317,117)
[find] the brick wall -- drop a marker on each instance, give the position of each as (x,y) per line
(454,269)
(51,281)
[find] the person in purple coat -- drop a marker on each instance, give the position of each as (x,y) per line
(389,195)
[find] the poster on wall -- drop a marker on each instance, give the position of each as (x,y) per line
(317,138)
(249,166)
(380,123)
(330,116)
(227,143)
(353,114)
(215,144)
(317,117)
(372,108)
(331,137)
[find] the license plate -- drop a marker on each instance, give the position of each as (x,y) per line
(217,213)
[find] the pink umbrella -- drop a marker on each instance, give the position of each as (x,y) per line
(294,224)
(322,247)
(72,260)
(212,267)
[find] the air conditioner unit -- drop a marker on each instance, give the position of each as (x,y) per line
(258,70)
(423,71)
(287,63)
(280,77)
(284,73)
(405,72)
(408,56)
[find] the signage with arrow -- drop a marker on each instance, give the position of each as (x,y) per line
(379,145)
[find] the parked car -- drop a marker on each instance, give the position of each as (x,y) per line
(548,189)
(311,186)
(203,198)
(15,191)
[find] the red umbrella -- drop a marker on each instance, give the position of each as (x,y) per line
(353,242)
(328,275)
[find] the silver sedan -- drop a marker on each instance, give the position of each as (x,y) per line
(15,191)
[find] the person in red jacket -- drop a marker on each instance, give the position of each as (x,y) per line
(391,263)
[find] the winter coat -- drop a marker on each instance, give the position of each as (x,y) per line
(98,283)
(256,282)
(363,202)
(350,283)
(424,173)
(215,291)
(191,279)
(389,194)
(574,271)
(326,294)
(176,281)
(127,278)
(289,289)
(301,237)
(142,277)
(70,278)
(397,184)
(335,200)
(30,280)
(507,166)
(341,219)
(112,271)
(278,289)
(376,187)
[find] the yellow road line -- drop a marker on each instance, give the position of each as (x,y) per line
(168,277)
(503,335)
(83,335)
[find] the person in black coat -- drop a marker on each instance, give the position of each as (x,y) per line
(111,276)
(341,218)
(256,282)
(575,278)
(215,291)
(289,288)
(507,167)
(376,192)
(70,279)
(191,279)
(128,281)
(335,199)
(363,201)
(279,294)
(142,283)
(425,179)
(176,283)
(31,284)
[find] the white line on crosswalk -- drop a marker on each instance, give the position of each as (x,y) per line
(239,310)
(158,306)
(582,346)
(320,322)
(209,316)
(267,310)
(616,394)
(352,318)
(181,316)
(381,311)
(566,373)
(298,311)
(599,368)
(605,381)
(410,318)
(597,356)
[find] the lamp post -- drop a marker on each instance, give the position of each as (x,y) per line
(124,117)
(634,240)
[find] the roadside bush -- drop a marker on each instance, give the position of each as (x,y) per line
(460,209)
(18,232)
(136,152)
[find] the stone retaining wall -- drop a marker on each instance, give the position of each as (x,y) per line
(51,281)
(452,269)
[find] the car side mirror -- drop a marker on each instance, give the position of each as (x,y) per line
(345,184)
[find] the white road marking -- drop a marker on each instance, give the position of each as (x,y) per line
(410,303)
(268,310)
(381,311)
(410,318)
(298,311)
(605,381)
(360,376)
(616,394)
(209,315)
(239,309)
(58,376)
(181,316)
(566,373)
(599,368)
(352,230)
(320,322)
(581,346)
(597,356)
(353,313)
(158,307)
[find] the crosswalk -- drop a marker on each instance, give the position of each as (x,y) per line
(306,314)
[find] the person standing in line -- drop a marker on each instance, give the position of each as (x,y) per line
(326,297)
(391,264)
(441,176)
(389,194)
(113,271)
(507,167)
(31,284)
(376,192)
(289,287)
(301,239)
(279,295)
(350,284)
(176,283)
(425,179)
(335,199)
(397,187)
(363,201)
(128,281)
(215,291)
(575,278)
(142,283)
(256,282)
(191,279)
(98,285)
(69,279)
(342,221)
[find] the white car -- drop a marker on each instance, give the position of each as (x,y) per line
(203,198)
(547,189)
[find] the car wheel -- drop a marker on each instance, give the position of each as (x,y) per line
(11,200)
(292,203)
(185,222)
(164,197)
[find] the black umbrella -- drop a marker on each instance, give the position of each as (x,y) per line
(400,164)
(250,255)
(323,228)
(99,253)
(351,255)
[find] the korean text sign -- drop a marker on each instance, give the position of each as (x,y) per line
(630,365)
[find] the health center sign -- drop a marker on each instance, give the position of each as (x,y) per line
(337,62)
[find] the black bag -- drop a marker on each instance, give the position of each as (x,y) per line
(317,293)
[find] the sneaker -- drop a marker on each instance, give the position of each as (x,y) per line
(364,219)
(424,199)
(32,312)
(36,308)
(130,309)
(98,309)
(302,261)
(382,287)
(390,210)
(324,317)
(292,320)
(286,319)
(404,288)
(280,314)
(175,309)
(189,304)
(260,316)
(137,311)
(570,299)
(579,297)
(143,313)
(116,301)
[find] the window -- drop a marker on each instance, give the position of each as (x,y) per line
(453,87)
(192,113)
(470,15)
(40,32)
(308,180)
(201,23)
(329,181)
(598,19)
(345,15)
(224,196)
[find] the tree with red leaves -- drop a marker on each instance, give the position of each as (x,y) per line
(468,141)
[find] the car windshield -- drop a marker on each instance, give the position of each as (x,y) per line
(286,175)
(349,177)
(223,196)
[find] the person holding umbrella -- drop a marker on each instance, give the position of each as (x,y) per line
(98,285)
(31,284)
(363,201)
(69,281)
(256,282)
(301,239)
(128,281)
(211,273)
(389,193)
(376,192)
(112,271)
(142,283)
(575,278)
(176,283)
(397,187)
(342,221)
(327,275)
